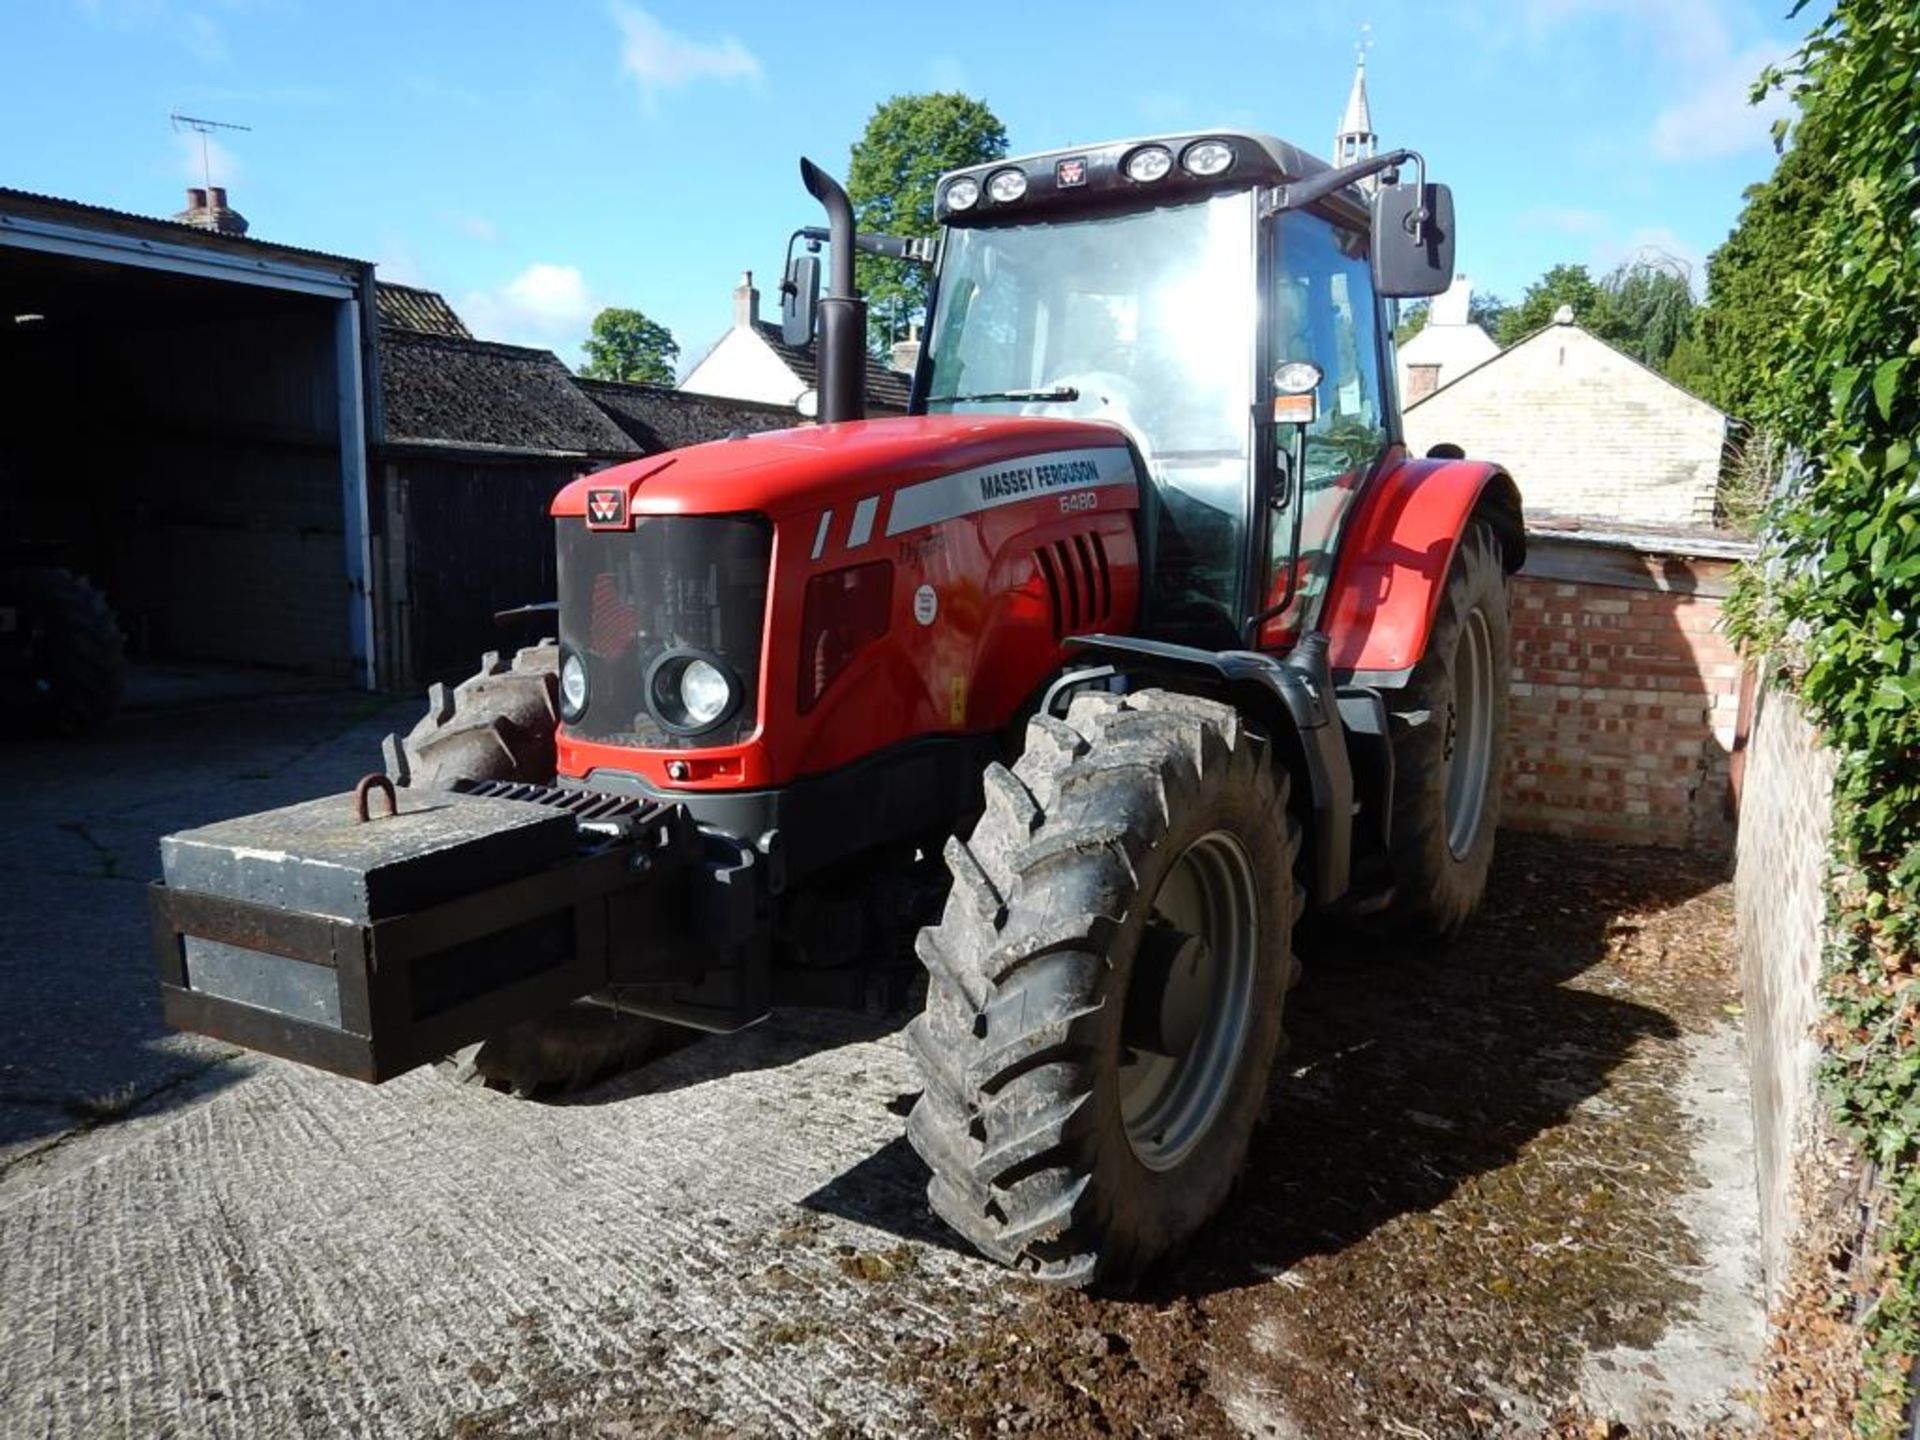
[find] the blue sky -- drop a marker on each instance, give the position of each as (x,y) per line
(535,162)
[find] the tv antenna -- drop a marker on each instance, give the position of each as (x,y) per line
(204,129)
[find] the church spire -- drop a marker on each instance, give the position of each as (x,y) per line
(1356,139)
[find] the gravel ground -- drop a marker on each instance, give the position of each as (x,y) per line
(1504,1190)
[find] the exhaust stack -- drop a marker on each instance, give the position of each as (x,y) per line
(843,314)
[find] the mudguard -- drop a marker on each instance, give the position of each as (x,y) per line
(1394,556)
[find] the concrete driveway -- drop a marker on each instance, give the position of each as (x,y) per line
(733,1240)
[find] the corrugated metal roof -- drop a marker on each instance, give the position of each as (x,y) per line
(160,227)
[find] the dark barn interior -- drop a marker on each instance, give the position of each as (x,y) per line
(177,438)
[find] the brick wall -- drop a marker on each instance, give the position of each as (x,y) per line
(1626,698)
(1785,819)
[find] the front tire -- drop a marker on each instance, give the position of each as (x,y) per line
(1450,748)
(1105,987)
(498,724)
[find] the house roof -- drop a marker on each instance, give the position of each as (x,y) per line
(461,394)
(659,417)
(1481,369)
(886,389)
(407,307)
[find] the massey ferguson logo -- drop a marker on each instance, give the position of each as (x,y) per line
(606,508)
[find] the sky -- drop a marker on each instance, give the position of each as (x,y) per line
(535,162)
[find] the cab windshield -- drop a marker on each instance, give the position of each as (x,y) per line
(1144,319)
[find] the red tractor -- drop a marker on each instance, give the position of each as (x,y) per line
(1144,621)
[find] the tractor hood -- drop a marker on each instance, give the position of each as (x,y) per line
(785,473)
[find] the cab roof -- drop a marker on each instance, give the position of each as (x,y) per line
(1092,177)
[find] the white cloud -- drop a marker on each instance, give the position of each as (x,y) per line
(1718,118)
(661,59)
(545,304)
(477,227)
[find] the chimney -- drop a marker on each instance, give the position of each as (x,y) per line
(906,353)
(746,302)
(208,210)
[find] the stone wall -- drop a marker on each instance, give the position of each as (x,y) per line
(1785,821)
(1625,707)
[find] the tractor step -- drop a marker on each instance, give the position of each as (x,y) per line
(368,943)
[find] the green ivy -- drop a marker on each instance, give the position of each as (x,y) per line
(1836,595)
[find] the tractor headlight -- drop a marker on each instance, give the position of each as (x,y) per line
(704,692)
(963,193)
(1006,186)
(1207,157)
(1148,163)
(573,687)
(690,693)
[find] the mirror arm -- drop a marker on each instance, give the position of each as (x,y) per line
(1296,193)
(913,249)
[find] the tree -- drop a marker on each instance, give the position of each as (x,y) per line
(909,142)
(1562,285)
(626,345)
(1650,309)
(1753,282)
(1482,310)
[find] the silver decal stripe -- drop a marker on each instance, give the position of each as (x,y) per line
(861,530)
(820,535)
(1056,472)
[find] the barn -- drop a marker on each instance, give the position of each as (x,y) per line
(188,425)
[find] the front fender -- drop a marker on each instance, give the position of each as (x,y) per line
(1393,562)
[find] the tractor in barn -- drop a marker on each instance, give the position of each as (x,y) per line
(1139,638)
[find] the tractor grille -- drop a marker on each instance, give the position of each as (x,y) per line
(673,583)
(1079,588)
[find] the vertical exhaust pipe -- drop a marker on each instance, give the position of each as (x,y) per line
(843,314)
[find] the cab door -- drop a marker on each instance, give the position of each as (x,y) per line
(1320,306)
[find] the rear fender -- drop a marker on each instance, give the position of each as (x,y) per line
(1398,545)
(1292,699)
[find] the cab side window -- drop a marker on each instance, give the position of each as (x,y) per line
(1322,309)
(1325,312)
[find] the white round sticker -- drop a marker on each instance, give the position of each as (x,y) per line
(926,604)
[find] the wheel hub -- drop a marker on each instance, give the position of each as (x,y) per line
(1185,1022)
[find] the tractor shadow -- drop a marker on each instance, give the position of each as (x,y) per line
(1410,1071)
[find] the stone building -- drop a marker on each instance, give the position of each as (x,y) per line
(1448,345)
(1585,430)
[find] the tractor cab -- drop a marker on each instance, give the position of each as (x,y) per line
(1223,299)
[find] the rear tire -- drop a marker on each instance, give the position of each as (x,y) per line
(78,662)
(1449,749)
(1059,1141)
(498,724)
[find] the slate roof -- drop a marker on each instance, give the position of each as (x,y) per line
(407,307)
(659,417)
(886,389)
(455,394)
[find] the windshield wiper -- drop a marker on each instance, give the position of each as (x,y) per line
(1059,394)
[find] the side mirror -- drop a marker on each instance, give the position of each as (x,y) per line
(799,296)
(1412,240)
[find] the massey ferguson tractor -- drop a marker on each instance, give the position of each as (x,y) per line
(1141,636)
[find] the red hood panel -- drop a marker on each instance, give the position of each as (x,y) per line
(782,472)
